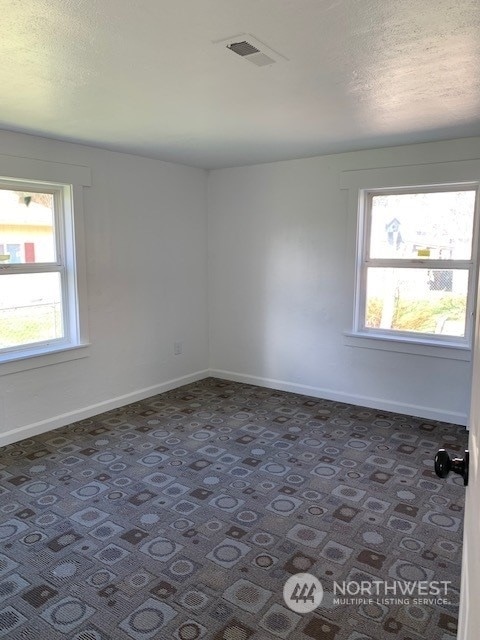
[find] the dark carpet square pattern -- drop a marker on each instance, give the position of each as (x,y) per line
(183,515)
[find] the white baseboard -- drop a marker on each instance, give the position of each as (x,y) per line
(34,429)
(62,420)
(429,413)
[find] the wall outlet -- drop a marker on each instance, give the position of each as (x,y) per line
(177,348)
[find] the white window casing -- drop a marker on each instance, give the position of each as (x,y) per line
(362,185)
(66,183)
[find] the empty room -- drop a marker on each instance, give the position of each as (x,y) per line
(239,320)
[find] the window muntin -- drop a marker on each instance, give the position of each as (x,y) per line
(38,300)
(416,268)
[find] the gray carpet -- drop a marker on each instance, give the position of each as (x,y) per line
(183,515)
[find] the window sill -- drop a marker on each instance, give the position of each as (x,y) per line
(16,362)
(450,351)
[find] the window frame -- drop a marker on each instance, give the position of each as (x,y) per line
(62,223)
(66,182)
(364,261)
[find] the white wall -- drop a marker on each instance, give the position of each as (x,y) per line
(279,288)
(146,226)
(281,274)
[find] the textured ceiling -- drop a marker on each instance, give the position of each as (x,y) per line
(145,76)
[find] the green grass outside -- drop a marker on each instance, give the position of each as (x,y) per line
(422,316)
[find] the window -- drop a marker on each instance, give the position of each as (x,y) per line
(39,310)
(416,259)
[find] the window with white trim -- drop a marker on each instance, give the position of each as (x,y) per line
(416,263)
(39,309)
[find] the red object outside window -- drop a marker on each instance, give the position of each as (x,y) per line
(29,252)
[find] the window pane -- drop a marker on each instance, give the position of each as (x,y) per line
(419,300)
(27,231)
(423,225)
(30,308)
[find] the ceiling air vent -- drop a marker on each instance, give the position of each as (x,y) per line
(243,48)
(251,49)
(247,50)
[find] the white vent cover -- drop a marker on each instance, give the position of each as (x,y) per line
(251,49)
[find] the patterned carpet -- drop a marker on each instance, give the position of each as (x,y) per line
(183,515)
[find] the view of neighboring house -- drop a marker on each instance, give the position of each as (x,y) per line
(26,228)
(28,312)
